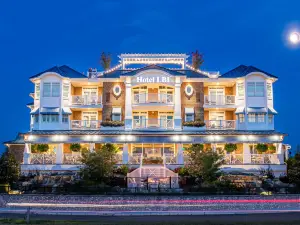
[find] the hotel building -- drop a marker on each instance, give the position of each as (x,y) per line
(152,107)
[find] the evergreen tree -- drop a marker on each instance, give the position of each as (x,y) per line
(9,168)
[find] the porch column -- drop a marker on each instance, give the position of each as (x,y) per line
(246,154)
(177,105)
(59,154)
(125,154)
(280,153)
(214,147)
(26,154)
(128,106)
(180,159)
(92,147)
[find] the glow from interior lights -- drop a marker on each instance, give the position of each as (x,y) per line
(30,137)
(88,137)
(176,138)
(184,137)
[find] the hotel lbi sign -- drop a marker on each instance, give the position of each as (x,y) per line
(153,78)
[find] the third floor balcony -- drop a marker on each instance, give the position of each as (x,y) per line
(220,124)
(86,100)
(219,100)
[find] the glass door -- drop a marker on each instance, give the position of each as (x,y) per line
(216,96)
(216,119)
(89,119)
(90,96)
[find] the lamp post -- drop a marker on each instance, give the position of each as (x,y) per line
(294,38)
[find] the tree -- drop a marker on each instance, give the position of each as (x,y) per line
(204,163)
(9,168)
(293,169)
(99,165)
(197,60)
(105,60)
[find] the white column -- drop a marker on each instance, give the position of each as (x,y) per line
(177,105)
(246,153)
(214,147)
(280,153)
(92,147)
(125,154)
(180,159)
(59,154)
(26,154)
(128,106)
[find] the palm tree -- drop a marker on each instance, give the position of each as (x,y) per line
(105,60)
(197,60)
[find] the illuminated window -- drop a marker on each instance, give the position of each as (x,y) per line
(260,118)
(270,118)
(241,118)
(49,118)
(66,91)
(37,91)
(251,117)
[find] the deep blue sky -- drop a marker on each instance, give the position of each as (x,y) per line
(36,35)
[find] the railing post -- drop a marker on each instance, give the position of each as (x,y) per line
(170,182)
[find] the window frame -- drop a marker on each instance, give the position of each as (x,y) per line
(65,118)
(255,92)
(241,117)
(260,117)
(189,114)
(251,118)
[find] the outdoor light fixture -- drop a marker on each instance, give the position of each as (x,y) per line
(294,38)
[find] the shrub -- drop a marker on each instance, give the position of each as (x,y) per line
(272,149)
(123,170)
(42,148)
(75,147)
(261,147)
(112,123)
(230,147)
(197,123)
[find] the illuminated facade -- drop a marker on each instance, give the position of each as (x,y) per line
(150,113)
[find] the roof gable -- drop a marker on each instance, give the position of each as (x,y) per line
(242,71)
(64,71)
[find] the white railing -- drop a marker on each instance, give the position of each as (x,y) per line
(135,158)
(39,158)
(153,98)
(153,124)
(220,124)
(86,100)
(70,158)
(264,159)
(170,158)
(186,157)
(219,99)
(234,159)
(85,124)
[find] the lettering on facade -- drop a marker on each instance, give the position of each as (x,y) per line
(157,79)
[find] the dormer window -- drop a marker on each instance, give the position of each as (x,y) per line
(51,89)
(256,89)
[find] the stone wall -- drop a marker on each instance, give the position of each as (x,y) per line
(195,101)
(110,100)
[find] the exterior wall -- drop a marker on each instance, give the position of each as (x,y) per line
(77,91)
(17,151)
(193,101)
(76,115)
(113,100)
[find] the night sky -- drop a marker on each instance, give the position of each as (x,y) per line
(36,35)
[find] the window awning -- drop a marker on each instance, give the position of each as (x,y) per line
(35,111)
(189,110)
(50,110)
(256,110)
(117,110)
(271,110)
(240,110)
(66,110)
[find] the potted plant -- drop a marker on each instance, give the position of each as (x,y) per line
(272,149)
(229,147)
(75,147)
(261,148)
(42,148)
(193,125)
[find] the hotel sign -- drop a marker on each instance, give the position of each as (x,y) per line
(148,79)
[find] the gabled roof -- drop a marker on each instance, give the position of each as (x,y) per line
(176,72)
(242,71)
(64,71)
(19,140)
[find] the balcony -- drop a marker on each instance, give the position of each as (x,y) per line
(219,100)
(220,124)
(86,100)
(40,158)
(85,124)
(148,98)
(254,159)
(161,124)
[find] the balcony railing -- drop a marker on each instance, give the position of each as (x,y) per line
(264,159)
(153,98)
(219,99)
(220,124)
(135,158)
(86,100)
(85,124)
(233,159)
(153,124)
(39,158)
(170,158)
(70,158)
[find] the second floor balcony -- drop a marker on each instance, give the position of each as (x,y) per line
(160,124)
(86,100)
(220,124)
(148,98)
(219,100)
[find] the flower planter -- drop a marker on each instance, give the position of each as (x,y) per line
(186,128)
